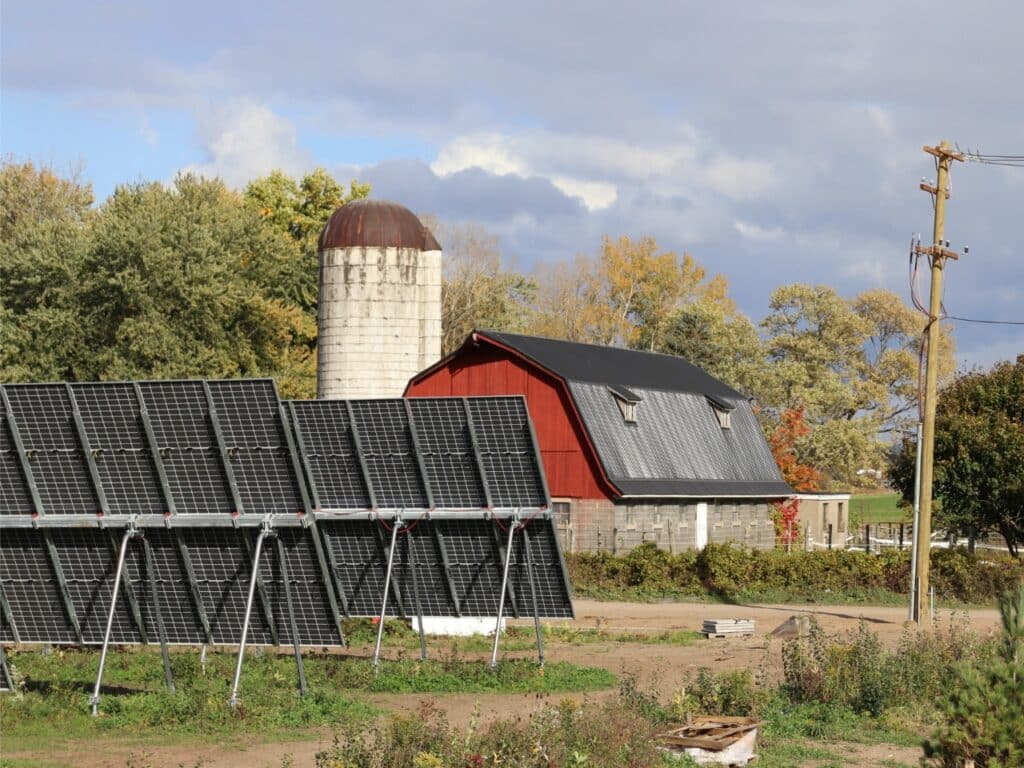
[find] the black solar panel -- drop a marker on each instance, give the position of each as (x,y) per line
(110,416)
(43,415)
(31,588)
(383,431)
(507,450)
(184,434)
(223,448)
(15,498)
(324,431)
(251,424)
(447,452)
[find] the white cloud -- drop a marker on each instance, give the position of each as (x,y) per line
(243,140)
(758,233)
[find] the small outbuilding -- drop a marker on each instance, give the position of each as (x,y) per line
(637,447)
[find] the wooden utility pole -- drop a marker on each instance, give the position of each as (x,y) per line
(937,254)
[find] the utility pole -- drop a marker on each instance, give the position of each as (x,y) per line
(938,253)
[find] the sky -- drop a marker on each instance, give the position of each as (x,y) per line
(775,142)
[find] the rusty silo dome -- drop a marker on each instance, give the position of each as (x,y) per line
(376,223)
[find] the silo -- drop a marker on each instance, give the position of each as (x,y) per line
(379,317)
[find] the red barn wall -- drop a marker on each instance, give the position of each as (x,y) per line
(569,463)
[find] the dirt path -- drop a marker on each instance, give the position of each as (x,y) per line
(662,667)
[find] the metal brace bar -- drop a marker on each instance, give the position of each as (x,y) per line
(62,584)
(416,593)
(384,553)
(358,442)
(225,455)
(292,626)
(9,615)
(435,527)
(533,598)
(417,450)
(129,593)
(23,456)
(5,671)
(330,577)
(94,702)
(154,452)
(501,600)
(90,457)
(485,481)
(537,456)
(261,588)
(502,556)
(154,595)
(265,531)
(193,585)
(384,598)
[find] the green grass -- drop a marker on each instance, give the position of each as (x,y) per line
(361,634)
(877,508)
(53,703)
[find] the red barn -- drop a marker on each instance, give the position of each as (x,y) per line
(636,446)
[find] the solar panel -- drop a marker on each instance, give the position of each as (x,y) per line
(42,413)
(322,428)
(110,417)
(179,414)
(15,498)
(31,588)
(507,450)
(383,432)
(216,448)
(446,448)
(249,416)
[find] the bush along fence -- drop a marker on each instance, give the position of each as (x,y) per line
(724,571)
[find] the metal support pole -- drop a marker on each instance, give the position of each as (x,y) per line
(416,594)
(5,673)
(533,599)
(264,532)
(504,583)
(95,700)
(292,626)
(154,596)
(912,613)
(396,524)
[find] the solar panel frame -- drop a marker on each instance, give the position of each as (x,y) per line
(15,493)
(508,452)
(389,454)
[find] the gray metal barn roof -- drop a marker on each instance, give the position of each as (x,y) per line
(676,447)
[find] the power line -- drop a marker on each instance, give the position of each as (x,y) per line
(986,322)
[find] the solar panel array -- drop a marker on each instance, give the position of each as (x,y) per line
(199,468)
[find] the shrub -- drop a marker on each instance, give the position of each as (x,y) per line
(726,571)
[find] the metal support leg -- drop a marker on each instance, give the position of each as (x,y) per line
(416,595)
(504,584)
(533,599)
(95,700)
(292,626)
(154,596)
(397,523)
(6,681)
(264,532)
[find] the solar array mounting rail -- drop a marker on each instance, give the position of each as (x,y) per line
(214,513)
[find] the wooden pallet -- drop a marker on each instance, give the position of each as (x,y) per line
(728,627)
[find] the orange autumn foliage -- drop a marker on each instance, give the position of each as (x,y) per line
(791,427)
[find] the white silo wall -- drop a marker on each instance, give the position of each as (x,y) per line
(379,319)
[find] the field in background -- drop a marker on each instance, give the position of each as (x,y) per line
(877,508)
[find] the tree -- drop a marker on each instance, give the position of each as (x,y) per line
(476,292)
(712,335)
(299,208)
(852,365)
(983,708)
(43,236)
(979,455)
(783,441)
